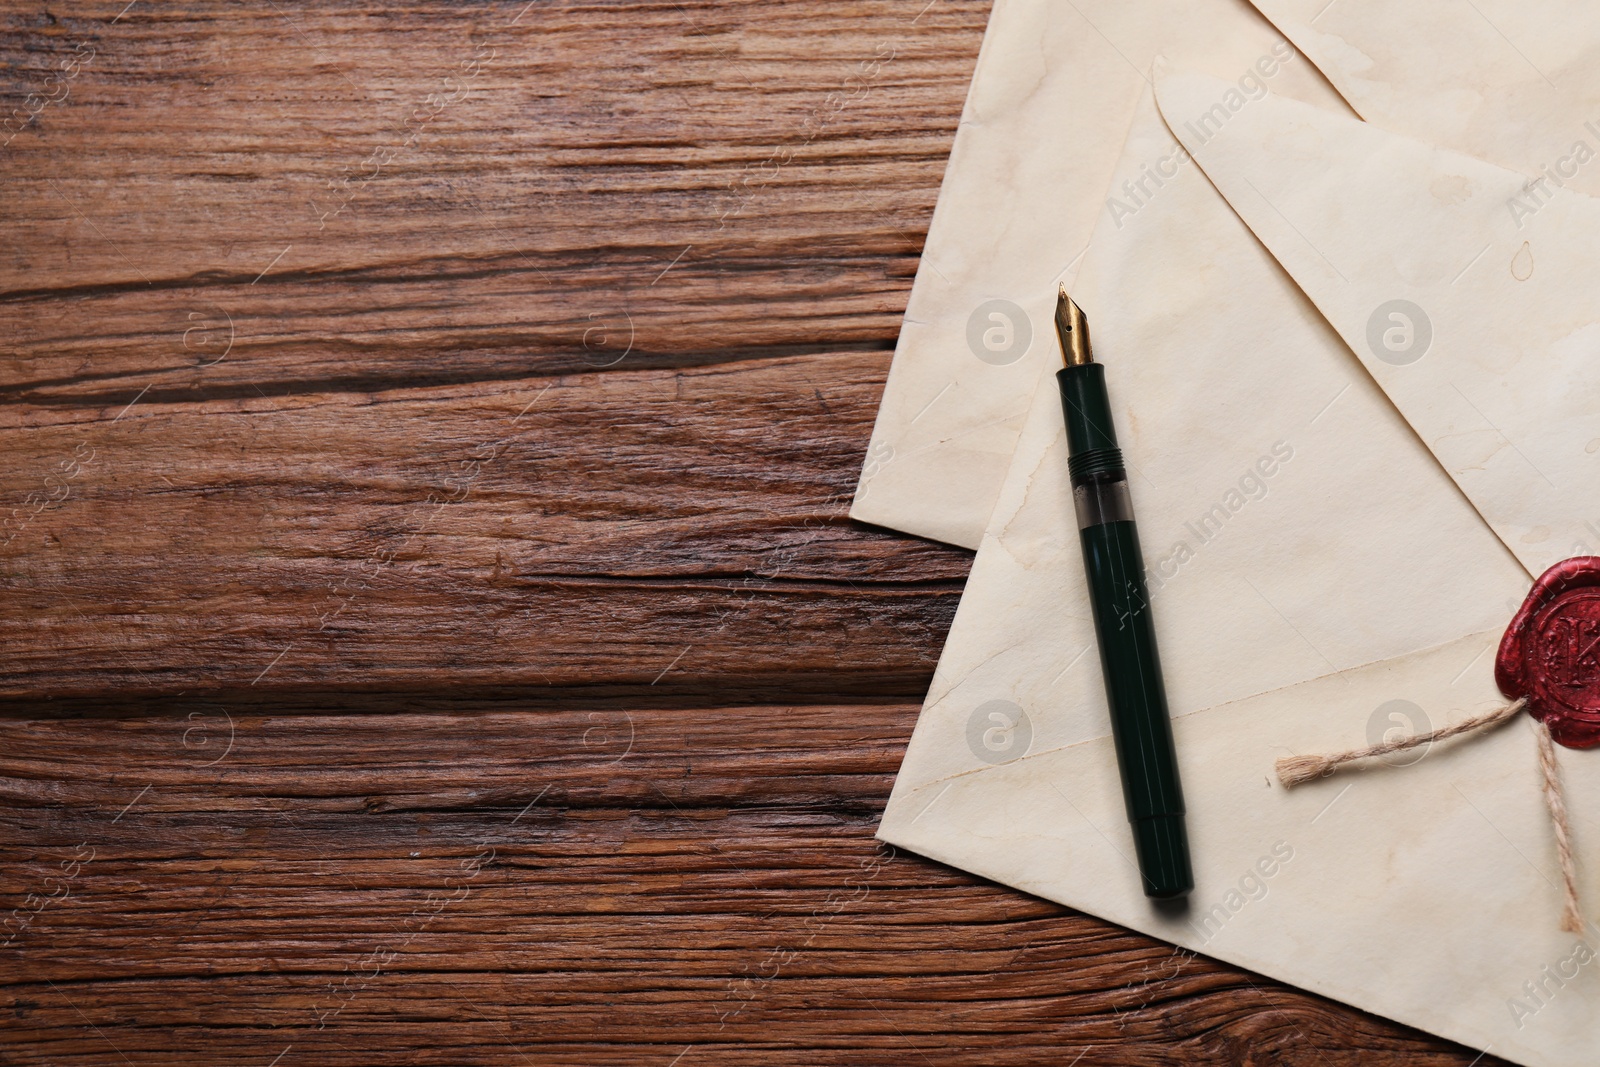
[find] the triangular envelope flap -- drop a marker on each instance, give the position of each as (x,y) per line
(1515,82)
(1469,297)
(1292,525)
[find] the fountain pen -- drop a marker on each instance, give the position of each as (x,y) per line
(1141,727)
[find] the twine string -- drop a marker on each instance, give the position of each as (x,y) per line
(1297,770)
(1571,920)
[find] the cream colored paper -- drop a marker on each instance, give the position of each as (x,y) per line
(1484,328)
(1051,98)
(1426,894)
(1515,82)
(1359,594)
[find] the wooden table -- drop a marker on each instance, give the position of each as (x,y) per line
(432,631)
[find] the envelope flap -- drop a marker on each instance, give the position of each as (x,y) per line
(1466,293)
(1509,81)
(1292,525)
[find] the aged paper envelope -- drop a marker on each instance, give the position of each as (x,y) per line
(1051,98)
(1515,82)
(1308,597)
(1476,311)
(1427,894)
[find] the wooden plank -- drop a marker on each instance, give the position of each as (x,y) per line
(565,887)
(230,201)
(236,469)
(613,532)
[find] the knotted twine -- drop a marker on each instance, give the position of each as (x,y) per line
(1297,770)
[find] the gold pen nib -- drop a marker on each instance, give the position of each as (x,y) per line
(1072,328)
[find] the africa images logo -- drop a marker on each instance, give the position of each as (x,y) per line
(999,332)
(1399,332)
(998,731)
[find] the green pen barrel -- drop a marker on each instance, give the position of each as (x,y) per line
(1141,726)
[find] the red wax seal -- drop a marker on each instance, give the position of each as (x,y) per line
(1551,652)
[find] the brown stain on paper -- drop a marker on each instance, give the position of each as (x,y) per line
(1451,189)
(1522,263)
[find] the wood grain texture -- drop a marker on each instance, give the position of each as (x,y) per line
(665,192)
(612,532)
(564,887)
(343,196)
(430,631)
